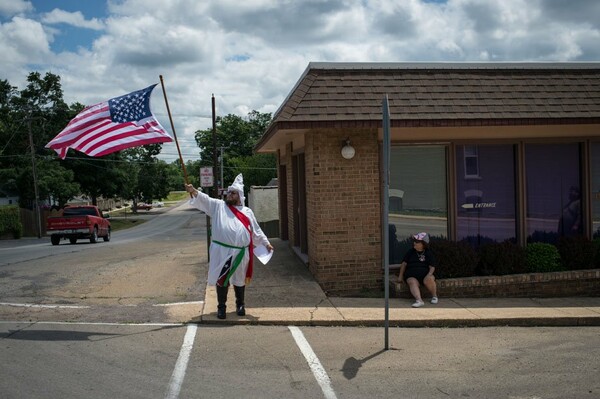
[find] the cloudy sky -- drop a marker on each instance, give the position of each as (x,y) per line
(250,53)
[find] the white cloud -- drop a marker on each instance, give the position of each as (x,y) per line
(23,41)
(10,8)
(76,19)
(251,53)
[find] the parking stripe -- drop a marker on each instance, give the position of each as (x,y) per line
(314,363)
(182,361)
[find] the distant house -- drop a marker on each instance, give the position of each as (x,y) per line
(7,198)
(480,152)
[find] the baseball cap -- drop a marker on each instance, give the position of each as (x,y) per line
(422,237)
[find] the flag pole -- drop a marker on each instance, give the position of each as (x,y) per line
(185,175)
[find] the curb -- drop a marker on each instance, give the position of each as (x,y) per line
(415,323)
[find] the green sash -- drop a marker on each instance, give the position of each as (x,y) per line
(236,261)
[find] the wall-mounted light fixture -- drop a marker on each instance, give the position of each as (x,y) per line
(347,150)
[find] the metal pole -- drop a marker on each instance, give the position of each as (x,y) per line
(386,230)
(35,181)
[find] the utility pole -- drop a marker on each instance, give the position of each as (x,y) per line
(221,168)
(215,188)
(35,182)
(214,137)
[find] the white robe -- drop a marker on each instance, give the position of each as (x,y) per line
(228,229)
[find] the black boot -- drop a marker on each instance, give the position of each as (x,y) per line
(222,301)
(239,300)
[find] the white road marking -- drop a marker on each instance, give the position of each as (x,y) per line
(179,303)
(314,363)
(33,305)
(68,323)
(182,361)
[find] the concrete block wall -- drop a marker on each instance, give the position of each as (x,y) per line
(344,210)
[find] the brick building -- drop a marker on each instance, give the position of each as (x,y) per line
(480,152)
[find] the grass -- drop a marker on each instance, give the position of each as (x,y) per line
(122,224)
(176,196)
(120,212)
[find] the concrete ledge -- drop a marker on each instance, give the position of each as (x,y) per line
(450,312)
(542,285)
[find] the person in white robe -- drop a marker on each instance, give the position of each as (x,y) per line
(234,231)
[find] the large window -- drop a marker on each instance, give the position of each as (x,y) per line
(486,210)
(418,195)
(553,191)
(596,189)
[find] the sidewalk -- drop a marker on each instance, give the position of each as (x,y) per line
(283,292)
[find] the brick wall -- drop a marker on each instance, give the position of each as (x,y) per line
(556,284)
(290,192)
(343,206)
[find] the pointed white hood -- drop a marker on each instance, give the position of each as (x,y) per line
(238,185)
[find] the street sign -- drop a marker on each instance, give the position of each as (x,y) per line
(206,176)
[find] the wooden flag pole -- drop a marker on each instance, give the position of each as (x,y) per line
(185,175)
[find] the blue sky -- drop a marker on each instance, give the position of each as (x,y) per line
(250,53)
(71,37)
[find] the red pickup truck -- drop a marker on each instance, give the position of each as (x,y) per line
(85,221)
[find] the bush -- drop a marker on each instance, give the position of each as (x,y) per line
(455,259)
(501,258)
(478,240)
(550,237)
(596,243)
(577,253)
(543,257)
(10,222)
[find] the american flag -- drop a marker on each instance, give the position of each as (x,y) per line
(110,126)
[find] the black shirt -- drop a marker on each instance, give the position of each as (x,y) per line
(415,261)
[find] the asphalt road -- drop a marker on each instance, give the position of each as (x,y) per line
(101,321)
(150,273)
(145,361)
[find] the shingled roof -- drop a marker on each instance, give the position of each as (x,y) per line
(350,94)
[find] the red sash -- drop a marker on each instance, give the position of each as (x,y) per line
(246,222)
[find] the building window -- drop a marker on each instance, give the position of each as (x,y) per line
(486,206)
(471,161)
(553,193)
(418,195)
(595,189)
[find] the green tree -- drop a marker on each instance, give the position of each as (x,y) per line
(56,184)
(40,108)
(98,177)
(149,178)
(154,181)
(258,170)
(238,136)
(39,111)
(175,179)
